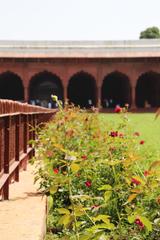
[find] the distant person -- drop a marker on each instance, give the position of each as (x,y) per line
(50,105)
(106,103)
(90,102)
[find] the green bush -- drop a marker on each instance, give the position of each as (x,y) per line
(93,178)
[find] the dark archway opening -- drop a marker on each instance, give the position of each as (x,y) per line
(11,87)
(82,90)
(42,86)
(116,90)
(148,90)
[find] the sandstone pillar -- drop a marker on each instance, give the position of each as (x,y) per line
(26,94)
(133,95)
(98,97)
(65,94)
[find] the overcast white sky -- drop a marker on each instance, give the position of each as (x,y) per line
(76,19)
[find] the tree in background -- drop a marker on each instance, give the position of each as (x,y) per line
(151,32)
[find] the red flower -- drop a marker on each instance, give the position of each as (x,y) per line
(114,134)
(88,183)
(121,135)
(141,142)
(139,223)
(56,170)
(137,134)
(146,173)
(84,157)
(135,181)
(118,109)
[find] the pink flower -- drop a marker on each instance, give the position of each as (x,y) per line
(88,183)
(114,134)
(135,181)
(56,170)
(141,142)
(118,109)
(139,223)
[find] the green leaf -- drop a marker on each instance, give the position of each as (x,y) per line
(132,218)
(65,220)
(104,218)
(113,163)
(146,223)
(105,187)
(98,227)
(82,197)
(107,195)
(50,202)
(63,211)
(86,236)
(53,189)
(79,211)
(100,236)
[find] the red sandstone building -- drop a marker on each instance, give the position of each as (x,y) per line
(87,73)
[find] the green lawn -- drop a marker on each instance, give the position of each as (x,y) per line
(146,125)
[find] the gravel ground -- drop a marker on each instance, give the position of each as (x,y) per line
(23,217)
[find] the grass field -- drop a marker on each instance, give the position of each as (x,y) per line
(146,125)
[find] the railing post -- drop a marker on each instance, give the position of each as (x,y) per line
(25,139)
(30,129)
(25,117)
(33,131)
(6,156)
(17,148)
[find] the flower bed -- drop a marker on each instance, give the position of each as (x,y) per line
(93,178)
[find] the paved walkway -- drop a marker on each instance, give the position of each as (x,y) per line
(23,216)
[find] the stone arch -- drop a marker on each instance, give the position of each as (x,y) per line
(42,85)
(116,90)
(11,86)
(148,90)
(82,90)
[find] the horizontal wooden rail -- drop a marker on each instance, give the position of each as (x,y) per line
(17,124)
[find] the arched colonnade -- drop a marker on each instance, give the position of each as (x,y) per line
(82,89)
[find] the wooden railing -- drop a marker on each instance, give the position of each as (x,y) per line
(17,124)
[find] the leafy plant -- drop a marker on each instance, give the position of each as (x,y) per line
(92,176)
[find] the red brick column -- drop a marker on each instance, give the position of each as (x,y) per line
(26,94)
(65,93)
(99,97)
(133,94)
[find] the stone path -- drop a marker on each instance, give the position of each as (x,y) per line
(23,216)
